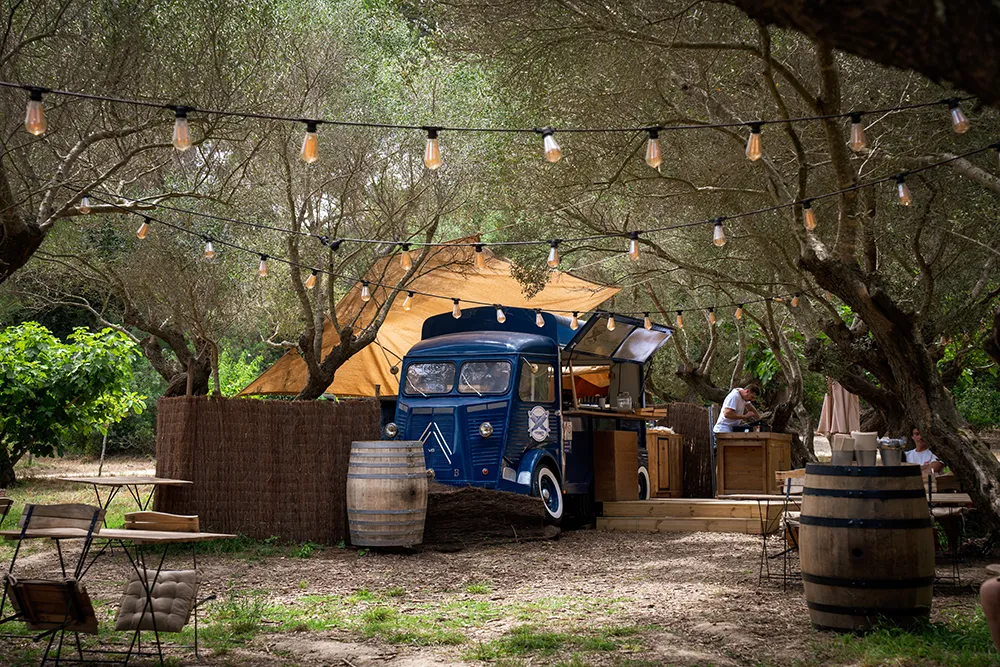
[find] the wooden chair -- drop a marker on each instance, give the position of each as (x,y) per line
(5,505)
(171,523)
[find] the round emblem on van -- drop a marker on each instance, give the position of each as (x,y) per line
(538,423)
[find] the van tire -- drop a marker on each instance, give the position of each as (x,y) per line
(545,485)
(644,490)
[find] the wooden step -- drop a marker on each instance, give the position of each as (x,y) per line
(685,508)
(681,525)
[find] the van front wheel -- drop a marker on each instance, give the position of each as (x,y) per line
(547,487)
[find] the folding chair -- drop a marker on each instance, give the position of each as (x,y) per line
(55,606)
(792,483)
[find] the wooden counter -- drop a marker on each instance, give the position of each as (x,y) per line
(609,414)
(666,464)
(746,462)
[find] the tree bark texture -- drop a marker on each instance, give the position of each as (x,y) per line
(955,42)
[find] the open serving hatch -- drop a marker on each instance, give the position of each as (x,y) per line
(629,341)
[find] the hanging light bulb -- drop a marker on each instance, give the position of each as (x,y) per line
(719,234)
(959,122)
(795,301)
(209,250)
(552,151)
(611,322)
(646,322)
(262,269)
(84,205)
(553,260)
(182,132)
(143,229)
(575,322)
(456,310)
(680,319)
(539,320)
(754,150)
(653,155)
(310,143)
(34,116)
(905,198)
(858,140)
(633,246)
(501,318)
(711,315)
(480,257)
(311,280)
(739,312)
(808,215)
(366,295)
(405,261)
(407,301)
(432,152)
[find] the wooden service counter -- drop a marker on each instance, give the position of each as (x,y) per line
(746,462)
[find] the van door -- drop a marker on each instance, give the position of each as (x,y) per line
(535,417)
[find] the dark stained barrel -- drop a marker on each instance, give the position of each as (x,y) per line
(866,545)
(386,493)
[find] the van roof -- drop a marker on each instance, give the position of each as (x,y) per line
(479,343)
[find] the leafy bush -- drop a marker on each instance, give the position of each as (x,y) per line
(979,405)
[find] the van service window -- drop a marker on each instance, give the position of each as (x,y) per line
(538,383)
(430,378)
(484,377)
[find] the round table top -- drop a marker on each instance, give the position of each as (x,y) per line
(993,570)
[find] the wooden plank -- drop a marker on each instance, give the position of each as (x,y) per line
(161,521)
(126,480)
(742,509)
(675,525)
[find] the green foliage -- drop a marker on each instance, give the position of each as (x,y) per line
(977,390)
(477,587)
(237,370)
(53,390)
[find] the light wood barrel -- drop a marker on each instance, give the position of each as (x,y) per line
(386,493)
(866,545)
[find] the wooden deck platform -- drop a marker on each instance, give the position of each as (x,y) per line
(667,515)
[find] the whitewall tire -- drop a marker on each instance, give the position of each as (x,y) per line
(644,492)
(548,488)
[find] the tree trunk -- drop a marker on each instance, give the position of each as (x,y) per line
(992,345)
(17,244)
(7,477)
(701,384)
(177,386)
(957,42)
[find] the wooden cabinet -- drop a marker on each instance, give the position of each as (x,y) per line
(746,462)
(616,465)
(666,464)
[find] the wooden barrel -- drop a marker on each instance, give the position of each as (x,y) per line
(386,493)
(866,545)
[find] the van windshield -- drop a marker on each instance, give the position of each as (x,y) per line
(484,377)
(437,377)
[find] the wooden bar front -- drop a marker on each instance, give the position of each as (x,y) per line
(666,464)
(746,462)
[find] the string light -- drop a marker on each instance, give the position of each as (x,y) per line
(209,250)
(539,320)
(456,310)
(902,191)
(858,141)
(501,318)
(959,122)
(262,268)
(143,229)
(310,143)
(407,302)
(366,294)
(34,115)
(719,234)
(553,153)
(480,257)
(633,246)
(795,301)
(84,205)
(611,322)
(646,322)
(711,315)
(311,280)
(405,261)
(432,152)
(680,319)
(553,260)
(754,150)
(808,215)
(653,155)
(182,131)
(575,322)
(739,312)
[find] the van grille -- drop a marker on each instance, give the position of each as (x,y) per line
(485,452)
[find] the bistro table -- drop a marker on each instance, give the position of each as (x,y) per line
(767,525)
(130,482)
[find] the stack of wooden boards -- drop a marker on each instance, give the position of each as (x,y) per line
(665,515)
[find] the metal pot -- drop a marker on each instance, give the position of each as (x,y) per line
(843,458)
(891,456)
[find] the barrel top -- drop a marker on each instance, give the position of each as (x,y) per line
(862,471)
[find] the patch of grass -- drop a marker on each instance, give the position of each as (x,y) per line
(305,550)
(479,587)
(303,584)
(962,639)
(387,624)
(527,640)
(395,592)
(233,622)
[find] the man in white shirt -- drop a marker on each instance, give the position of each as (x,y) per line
(922,455)
(737,408)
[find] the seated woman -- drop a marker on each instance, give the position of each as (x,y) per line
(922,455)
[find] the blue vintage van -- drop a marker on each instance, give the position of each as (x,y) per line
(496,403)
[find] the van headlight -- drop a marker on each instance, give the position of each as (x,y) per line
(486,429)
(391,430)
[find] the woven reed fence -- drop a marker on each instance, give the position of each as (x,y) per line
(261,468)
(691,421)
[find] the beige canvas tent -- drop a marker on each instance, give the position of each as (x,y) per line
(449,270)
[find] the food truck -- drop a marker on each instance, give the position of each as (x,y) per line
(503,403)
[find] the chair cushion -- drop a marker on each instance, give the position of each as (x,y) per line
(173,599)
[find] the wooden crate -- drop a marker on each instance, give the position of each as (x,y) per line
(616,465)
(747,462)
(666,464)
